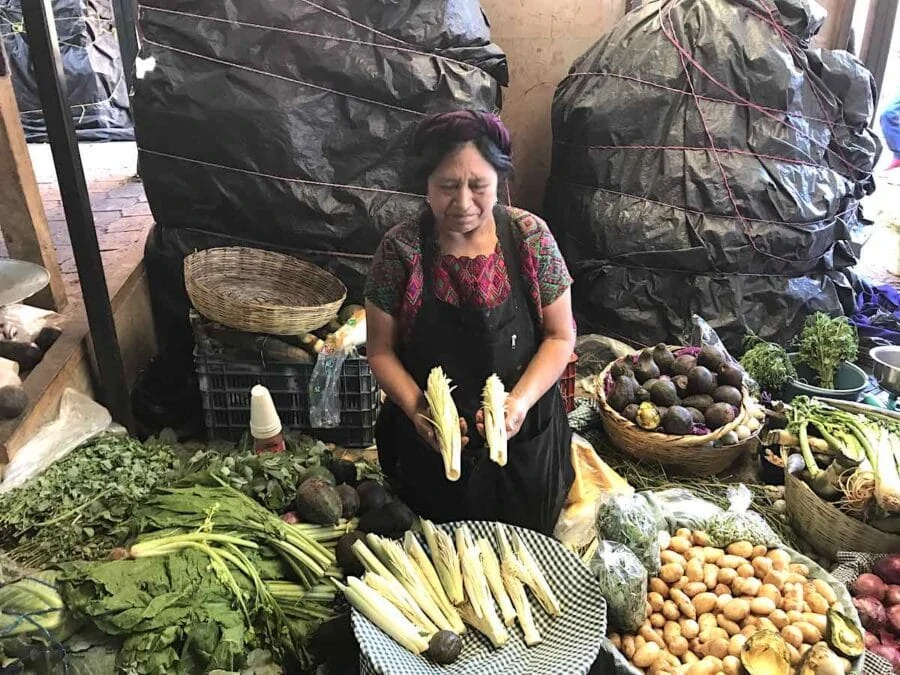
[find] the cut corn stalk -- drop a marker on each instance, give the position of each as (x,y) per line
(384,615)
(387,591)
(445,559)
(421,560)
(482,625)
(477,591)
(445,419)
(513,572)
(534,577)
(491,567)
(493,401)
(405,571)
(373,565)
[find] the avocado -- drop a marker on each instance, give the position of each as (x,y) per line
(343,471)
(620,369)
(731,375)
(663,393)
(391,520)
(711,357)
(681,385)
(346,558)
(701,402)
(13,401)
(372,495)
(622,394)
(318,472)
(698,416)
(684,364)
(630,412)
(677,421)
(700,381)
(641,395)
(718,415)
(664,358)
(648,384)
(646,367)
(726,394)
(349,501)
(318,502)
(444,647)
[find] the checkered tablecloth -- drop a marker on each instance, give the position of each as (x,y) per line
(570,644)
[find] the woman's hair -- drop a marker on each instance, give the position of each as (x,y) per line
(440,134)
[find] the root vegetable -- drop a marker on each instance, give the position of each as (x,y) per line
(704,603)
(670,610)
(892,595)
(680,544)
(871,613)
(646,655)
(811,634)
(736,610)
(871,640)
(893,618)
(671,573)
(743,549)
(657,620)
(694,588)
(657,585)
(731,665)
(888,568)
(792,635)
(762,606)
(869,586)
(826,591)
(726,576)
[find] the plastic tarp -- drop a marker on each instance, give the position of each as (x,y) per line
(707,160)
(284,124)
(92,64)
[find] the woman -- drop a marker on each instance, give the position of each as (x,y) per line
(477,288)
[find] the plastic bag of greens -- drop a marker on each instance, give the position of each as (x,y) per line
(623,583)
(739,523)
(629,519)
(677,507)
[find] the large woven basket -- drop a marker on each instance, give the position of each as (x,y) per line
(693,455)
(260,291)
(827,528)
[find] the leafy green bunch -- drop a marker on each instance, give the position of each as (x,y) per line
(825,343)
(767,363)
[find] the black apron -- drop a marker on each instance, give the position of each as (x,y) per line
(471,344)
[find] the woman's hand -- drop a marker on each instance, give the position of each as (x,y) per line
(426,429)
(516,410)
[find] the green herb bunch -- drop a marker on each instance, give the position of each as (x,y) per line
(767,363)
(825,343)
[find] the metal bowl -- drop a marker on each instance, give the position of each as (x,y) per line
(20,280)
(886,367)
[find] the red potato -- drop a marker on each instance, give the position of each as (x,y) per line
(871,613)
(888,568)
(291,518)
(869,586)
(892,595)
(893,618)
(871,640)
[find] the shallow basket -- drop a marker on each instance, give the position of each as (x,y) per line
(693,455)
(827,528)
(260,291)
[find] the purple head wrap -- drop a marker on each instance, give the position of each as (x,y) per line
(460,126)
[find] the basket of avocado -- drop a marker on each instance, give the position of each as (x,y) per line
(685,407)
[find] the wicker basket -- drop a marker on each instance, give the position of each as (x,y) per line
(693,455)
(828,529)
(261,292)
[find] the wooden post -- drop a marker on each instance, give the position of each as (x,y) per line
(23,222)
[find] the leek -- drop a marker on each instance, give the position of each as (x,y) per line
(446,561)
(384,615)
(396,560)
(445,419)
(494,406)
(887,481)
(479,595)
(420,559)
(495,581)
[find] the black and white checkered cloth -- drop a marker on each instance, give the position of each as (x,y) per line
(570,642)
(851,565)
(586,415)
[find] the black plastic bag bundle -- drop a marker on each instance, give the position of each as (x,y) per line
(284,125)
(92,64)
(656,225)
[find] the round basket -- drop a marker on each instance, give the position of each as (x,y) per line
(693,455)
(259,291)
(827,528)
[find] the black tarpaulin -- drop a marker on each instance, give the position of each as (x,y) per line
(707,160)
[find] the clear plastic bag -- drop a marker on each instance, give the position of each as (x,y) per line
(630,519)
(702,334)
(739,523)
(678,507)
(623,583)
(80,418)
(324,388)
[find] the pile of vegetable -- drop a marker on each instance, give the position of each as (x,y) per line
(742,609)
(825,343)
(877,599)
(425,599)
(691,390)
(849,458)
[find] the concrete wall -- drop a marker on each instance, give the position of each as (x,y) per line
(541,38)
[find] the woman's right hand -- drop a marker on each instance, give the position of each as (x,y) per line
(426,429)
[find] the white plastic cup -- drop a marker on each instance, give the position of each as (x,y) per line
(264,420)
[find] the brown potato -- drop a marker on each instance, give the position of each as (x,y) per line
(646,655)
(683,603)
(657,620)
(811,634)
(793,616)
(680,584)
(628,647)
(820,621)
(704,603)
(667,557)
(760,550)
(795,578)
(795,655)
(695,552)
(699,538)
(671,573)
(722,589)
(798,568)
(650,635)
(762,606)
(689,657)
(745,570)
(671,631)
(816,602)
(639,641)
(761,566)
(680,544)
(826,591)
(779,619)
(752,586)
(792,635)
(694,569)
(656,601)
(731,665)
(736,644)
(664,539)
(717,647)
(737,586)
(776,578)
(780,558)
(748,631)
(689,628)
(678,647)
(710,575)
(707,622)
(736,610)
(728,626)
(657,585)
(712,555)
(616,640)
(744,549)
(765,623)
(722,601)
(670,610)
(726,575)
(769,591)
(731,561)
(694,588)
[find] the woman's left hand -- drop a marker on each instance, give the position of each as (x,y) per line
(516,410)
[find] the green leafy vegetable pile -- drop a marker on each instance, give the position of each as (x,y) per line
(767,363)
(79,507)
(825,343)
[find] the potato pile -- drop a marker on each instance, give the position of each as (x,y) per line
(706,602)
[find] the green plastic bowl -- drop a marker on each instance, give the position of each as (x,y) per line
(849,381)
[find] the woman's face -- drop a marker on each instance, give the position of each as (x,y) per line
(462,191)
